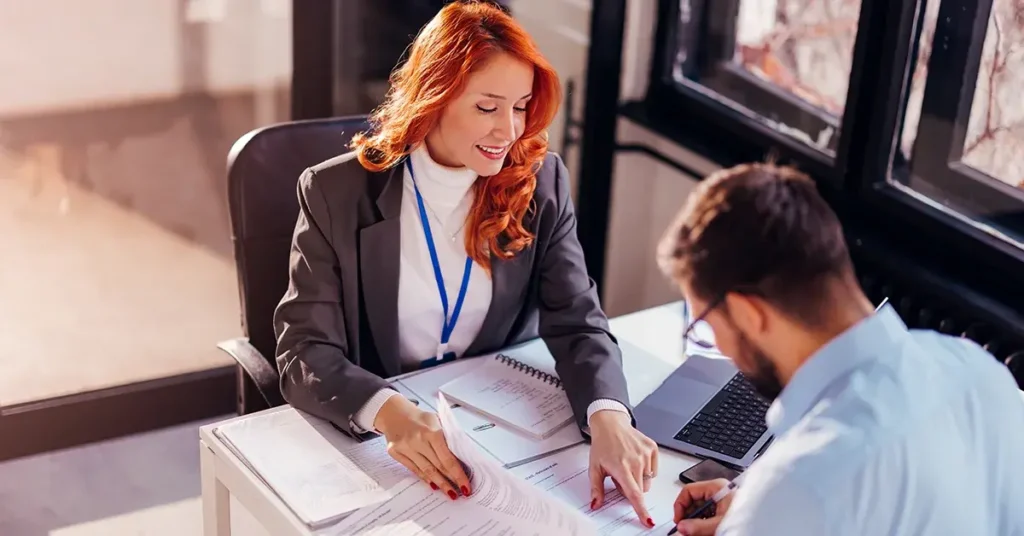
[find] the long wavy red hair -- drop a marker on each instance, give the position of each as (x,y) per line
(459,39)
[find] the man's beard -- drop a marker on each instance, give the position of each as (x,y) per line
(764,377)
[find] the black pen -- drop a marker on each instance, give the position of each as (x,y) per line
(718,497)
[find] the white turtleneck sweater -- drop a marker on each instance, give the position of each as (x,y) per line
(448,196)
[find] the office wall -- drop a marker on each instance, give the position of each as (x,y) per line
(646,194)
(113,51)
(101,53)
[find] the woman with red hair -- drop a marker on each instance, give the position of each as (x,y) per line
(449,231)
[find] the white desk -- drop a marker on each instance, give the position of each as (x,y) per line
(657,330)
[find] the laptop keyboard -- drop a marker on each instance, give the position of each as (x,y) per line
(731,422)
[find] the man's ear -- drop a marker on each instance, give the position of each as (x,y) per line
(748,312)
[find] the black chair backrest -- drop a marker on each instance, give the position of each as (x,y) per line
(263,170)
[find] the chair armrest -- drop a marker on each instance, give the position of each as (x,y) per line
(257,367)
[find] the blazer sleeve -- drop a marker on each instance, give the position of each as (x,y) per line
(312,348)
(571,322)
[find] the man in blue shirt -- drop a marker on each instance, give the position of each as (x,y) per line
(879,429)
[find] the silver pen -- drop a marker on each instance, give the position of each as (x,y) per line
(718,497)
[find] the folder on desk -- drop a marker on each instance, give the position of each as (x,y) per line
(321,474)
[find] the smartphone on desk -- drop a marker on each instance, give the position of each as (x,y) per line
(707,469)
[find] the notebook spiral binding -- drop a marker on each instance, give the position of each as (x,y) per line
(528,370)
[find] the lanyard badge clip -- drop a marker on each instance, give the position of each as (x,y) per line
(448,324)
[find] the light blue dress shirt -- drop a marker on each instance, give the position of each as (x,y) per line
(889,431)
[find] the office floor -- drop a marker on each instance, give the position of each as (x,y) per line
(143,485)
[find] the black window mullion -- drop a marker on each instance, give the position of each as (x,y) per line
(952,73)
(718,34)
(884,54)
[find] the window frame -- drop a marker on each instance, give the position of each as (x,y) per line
(936,158)
(714,22)
(713,67)
(858,184)
(882,201)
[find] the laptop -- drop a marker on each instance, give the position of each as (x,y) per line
(706,408)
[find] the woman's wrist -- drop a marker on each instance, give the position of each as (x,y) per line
(397,409)
(608,419)
(602,404)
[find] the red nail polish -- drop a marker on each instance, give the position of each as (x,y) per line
(452,495)
(465,491)
(434,487)
(593,504)
(650,522)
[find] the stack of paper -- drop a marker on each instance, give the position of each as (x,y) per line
(317,471)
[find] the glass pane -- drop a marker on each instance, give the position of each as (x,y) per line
(788,63)
(118,265)
(804,47)
(979,186)
(995,133)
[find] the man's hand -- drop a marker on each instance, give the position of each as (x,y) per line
(618,450)
(693,496)
(415,440)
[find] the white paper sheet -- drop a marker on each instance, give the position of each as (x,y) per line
(419,511)
(495,488)
(500,505)
(566,476)
(319,472)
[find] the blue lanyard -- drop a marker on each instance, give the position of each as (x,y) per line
(449,323)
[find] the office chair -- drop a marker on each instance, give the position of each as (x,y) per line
(263,169)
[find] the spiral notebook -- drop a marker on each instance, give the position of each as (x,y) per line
(513,394)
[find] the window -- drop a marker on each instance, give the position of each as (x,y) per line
(113,203)
(912,107)
(783,63)
(962,145)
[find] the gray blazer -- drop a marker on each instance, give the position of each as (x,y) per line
(337,324)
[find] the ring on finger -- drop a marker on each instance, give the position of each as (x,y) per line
(649,476)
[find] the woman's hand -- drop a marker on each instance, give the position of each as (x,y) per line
(691,497)
(415,440)
(618,450)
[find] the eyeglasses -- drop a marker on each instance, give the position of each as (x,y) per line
(698,331)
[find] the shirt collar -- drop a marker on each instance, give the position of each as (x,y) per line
(866,340)
(443,187)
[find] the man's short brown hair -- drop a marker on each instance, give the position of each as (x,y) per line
(758,228)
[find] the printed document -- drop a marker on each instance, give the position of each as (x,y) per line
(565,476)
(501,504)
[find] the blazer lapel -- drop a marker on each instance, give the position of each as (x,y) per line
(379,254)
(506,302)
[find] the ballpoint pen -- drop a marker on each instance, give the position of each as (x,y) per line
(718,497)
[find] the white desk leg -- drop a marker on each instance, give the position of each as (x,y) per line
(216,499)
